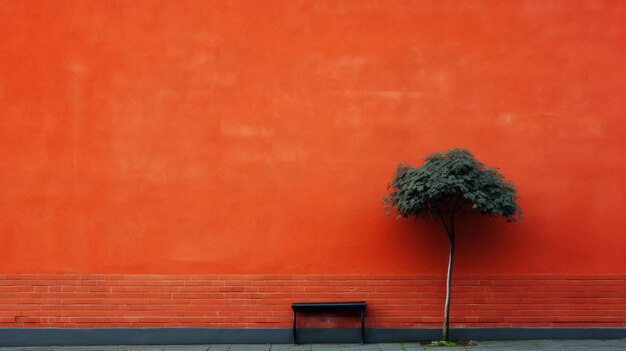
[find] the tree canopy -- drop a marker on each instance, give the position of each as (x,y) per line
(446,182)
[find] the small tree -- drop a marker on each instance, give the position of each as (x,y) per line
(447,184)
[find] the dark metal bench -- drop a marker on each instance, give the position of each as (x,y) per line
(358,306)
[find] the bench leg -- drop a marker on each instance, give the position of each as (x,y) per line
(363,326)
(294,328)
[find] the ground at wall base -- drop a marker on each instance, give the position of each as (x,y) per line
(525,345)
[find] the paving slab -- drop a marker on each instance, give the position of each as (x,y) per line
(359,347)
(325,347)
(522,345)
(219,347)
(187,347)
(290,347)
(250,347)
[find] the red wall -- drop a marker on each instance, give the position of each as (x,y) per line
(205,137)
(257,137)
(264,300)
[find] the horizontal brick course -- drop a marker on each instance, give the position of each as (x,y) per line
(263,301)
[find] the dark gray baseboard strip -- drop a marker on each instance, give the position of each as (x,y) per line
(189,336)
(536,333)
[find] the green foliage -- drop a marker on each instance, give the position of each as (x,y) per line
(449,182)
(443,343)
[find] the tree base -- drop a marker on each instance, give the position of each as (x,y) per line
(442,343)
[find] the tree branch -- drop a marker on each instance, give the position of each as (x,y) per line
(457,204)
(451,235)
(443,220)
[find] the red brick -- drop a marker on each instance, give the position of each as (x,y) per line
(264,300)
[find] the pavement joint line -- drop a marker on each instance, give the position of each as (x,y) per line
(521,345)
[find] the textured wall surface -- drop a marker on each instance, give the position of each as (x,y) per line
(263,301)
(257,137)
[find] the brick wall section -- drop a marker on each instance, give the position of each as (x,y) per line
(263,301)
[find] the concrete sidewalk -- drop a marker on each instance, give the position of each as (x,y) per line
(525,345)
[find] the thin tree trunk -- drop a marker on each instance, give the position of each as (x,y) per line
(446,319)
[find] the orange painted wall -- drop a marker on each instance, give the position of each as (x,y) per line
(259,136)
